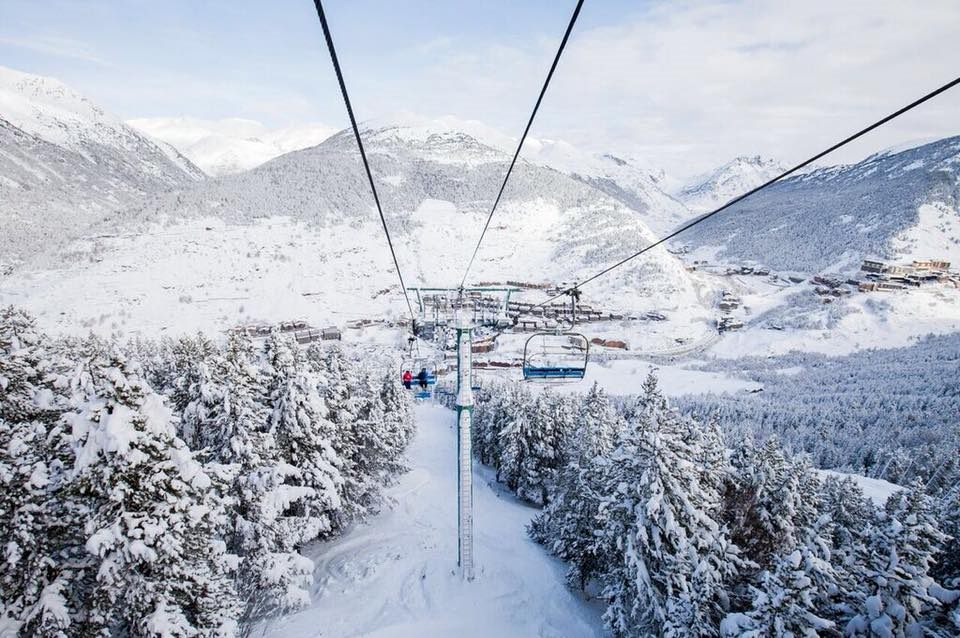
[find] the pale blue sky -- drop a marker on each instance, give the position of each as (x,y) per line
(213,58)
(685,85)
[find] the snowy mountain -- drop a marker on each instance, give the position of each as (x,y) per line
(624,179)
(892,205)
(629,180)
(232,145)
(437,183)
(299,236)
(65,162)
(706,192)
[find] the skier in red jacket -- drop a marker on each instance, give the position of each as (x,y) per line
(407,379)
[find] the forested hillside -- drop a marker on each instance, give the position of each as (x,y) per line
(892,414)
(167,488)
(836,216)
(680,535)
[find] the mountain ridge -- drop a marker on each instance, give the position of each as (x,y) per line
(67,163)
(715,188)
(832,217)
(230,145)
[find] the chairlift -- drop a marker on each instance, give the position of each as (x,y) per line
(557,357)
(415,363)
(415,367)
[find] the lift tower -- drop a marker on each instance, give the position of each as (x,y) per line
(464,445)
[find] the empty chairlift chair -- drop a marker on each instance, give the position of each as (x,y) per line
(555,357)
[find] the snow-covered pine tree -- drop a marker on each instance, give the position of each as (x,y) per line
(383,430)
(796,595)
(398,414)
(26,392)
(599,418)
(566,525)
(947,569)
(564,410)
(901,547)
(762,502)
(234,408)
(712,460)
(792,599)
(264,526)
(188,353)
(157,361)
(515,431)
(303,435)
(492,408)
(850,514)
(667,559)
(338,382)
(40,530)
(531,448)
(197,393)
(651,397)
(154,512)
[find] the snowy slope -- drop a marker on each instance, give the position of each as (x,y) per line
(877,490)
(628,180)
(53,112)
(832,218)
(65,162)
(231,145)
(706,192)
(436,187)
(299,236)
(395,575)
(623,179)
(565,225)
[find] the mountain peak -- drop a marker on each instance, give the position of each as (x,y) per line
(233,144)
(66,161)
(734,178)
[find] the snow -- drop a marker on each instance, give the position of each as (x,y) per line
(624,377)
(872,320)
(52,604)
(230,145)
(415,127)
(54,112)
(395,577)
(205,275)
(936,235)
(877,490)
(709,191)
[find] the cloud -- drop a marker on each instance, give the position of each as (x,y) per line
(712,81)
(54,46)
(688,85)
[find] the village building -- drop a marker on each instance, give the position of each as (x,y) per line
(931,264)
(873,266)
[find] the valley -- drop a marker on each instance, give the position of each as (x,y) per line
(226,289)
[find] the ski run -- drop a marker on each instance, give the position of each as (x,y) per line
(395,575)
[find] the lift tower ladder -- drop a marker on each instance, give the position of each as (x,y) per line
(464,446)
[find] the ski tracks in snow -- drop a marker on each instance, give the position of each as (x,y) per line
(395,576)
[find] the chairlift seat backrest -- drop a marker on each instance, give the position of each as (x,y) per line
(555,357)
